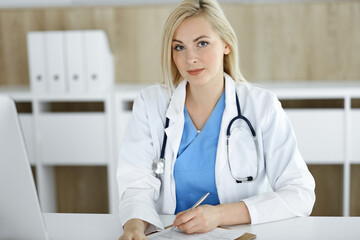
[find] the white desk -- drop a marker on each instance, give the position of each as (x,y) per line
(107,226)
(64,226)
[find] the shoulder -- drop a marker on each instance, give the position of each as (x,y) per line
(154,94)
(251,90)
(254,95)
(156,89)
(152,101)
(258,104)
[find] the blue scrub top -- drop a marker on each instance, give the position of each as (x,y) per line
(194,169)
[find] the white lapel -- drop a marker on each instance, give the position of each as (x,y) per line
(230,112)
(175,113)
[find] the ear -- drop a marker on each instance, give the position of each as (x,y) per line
(227,49)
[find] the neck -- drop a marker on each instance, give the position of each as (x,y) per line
(204,97)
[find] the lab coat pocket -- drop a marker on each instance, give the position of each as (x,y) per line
(242,155)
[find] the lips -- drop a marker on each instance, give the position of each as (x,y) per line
(195,71)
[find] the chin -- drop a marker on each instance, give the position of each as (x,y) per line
(197,82)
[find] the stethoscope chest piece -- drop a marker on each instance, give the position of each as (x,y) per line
(158,166)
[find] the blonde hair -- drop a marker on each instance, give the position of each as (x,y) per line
(212,11)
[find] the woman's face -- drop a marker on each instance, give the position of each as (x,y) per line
(198,51)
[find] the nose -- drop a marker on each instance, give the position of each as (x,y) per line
(192,57)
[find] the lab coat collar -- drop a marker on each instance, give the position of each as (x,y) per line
(177,101)
(175,112)
(230,97)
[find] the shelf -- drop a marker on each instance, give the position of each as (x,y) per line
(325,119)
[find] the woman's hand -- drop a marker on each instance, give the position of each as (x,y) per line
(133,235)
(199,220)
(206,217)
(134,230)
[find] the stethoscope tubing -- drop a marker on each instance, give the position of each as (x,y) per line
(162,154)
(159,163)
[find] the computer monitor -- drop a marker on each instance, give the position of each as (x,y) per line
(20,214)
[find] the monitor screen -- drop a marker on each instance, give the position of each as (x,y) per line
(20,214)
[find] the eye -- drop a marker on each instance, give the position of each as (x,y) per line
(178,48)
(203,44)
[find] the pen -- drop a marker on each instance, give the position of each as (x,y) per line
(195,205)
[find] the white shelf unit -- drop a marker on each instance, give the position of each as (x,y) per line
(79,137)
(325,136)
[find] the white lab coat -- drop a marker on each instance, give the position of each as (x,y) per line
(144,196)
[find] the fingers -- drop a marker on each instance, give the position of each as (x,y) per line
(200,220)
(190,222)
(189,227)
(183,217)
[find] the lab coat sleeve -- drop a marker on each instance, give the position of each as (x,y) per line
(292,183)
(138,186)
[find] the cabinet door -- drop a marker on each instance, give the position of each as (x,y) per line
(73,138)
(320,134)
(354,136)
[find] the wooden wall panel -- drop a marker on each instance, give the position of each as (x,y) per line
(300,41)
(139,35)
(355,190)
(328,190)
(14,62)
(277,42)
(82,189)
(2,53)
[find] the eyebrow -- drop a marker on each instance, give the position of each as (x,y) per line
(195,40)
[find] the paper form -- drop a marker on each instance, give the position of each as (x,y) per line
(216,234)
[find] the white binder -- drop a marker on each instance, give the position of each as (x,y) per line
(70,62)
(99,61)
(54,45)
(74,45)
(37,62)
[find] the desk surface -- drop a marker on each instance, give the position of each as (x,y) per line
(107,226)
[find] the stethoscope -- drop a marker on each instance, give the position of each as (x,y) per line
(159,164)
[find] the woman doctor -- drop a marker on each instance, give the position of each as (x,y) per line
(214,132)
